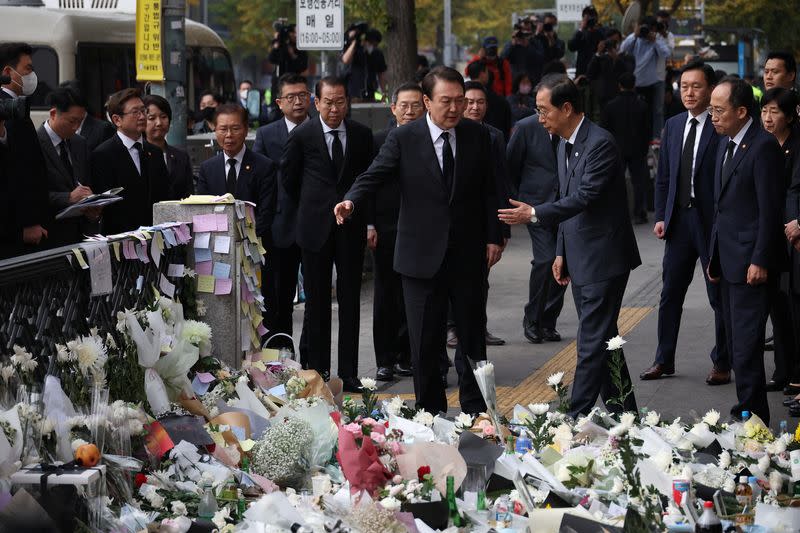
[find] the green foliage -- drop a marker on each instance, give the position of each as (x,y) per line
(622,384)
(779,20)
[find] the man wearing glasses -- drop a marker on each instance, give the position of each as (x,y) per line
(283,254)
(320,162)
(127,160)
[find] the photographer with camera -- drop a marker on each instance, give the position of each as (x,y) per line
(546,37)
(586,39)
(365,64)
(605,68)
(648,45)
(523,56)
(499,68)
(26,189)
(285,56)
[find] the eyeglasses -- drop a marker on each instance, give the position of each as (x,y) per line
(292,98)
(334,103)
(542,112)
(715,111)
(136,111)
(405,106)
(234,130)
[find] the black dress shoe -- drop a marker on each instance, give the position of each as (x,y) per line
(350,384)
(657,371)
(773,385)
(788,402)
(533,334)
(402,369)
(492,340)
(791,390)
(384,373)
(551,335)
(794,411)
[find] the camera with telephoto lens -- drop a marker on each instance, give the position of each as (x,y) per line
(644,31)
(283,28)
(11,108)
(547,27)
(360,29)
(591,22)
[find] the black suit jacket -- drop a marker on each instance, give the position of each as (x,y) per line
(668,175)
(181,176)
(595,236)
(60,183)
(112,166)
(270,141)
(502,190)
(433,219)
(749,201)
(255,183)
(791,150)
(532,169)
(628,119)
(96,131)
(387,197)
(309,177)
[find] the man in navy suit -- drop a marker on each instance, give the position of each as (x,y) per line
(746,239)
(238,170)
(684,214)
(596,248)
(283,254)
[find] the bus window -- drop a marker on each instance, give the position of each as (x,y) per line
(209,69)
(45,62)
(104,69)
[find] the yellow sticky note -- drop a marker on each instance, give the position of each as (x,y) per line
(115,246)
(79,257)
(245,307)
(217,438)
(159,240)
(258,277)
(254,340)
(269,354)
(205,284)
(251,234)
(247,444)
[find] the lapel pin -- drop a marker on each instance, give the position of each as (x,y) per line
(247,167)
(576,154)
(744,146)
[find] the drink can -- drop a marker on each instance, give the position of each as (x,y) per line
(680,487)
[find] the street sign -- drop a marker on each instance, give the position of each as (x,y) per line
(320,24)
(148,41)
(570,10)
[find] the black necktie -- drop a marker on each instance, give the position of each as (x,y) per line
(728,157)
(230,181)
(687,158)
(448,163)
(567,151)
(63,152)
(138,146)
(337,152)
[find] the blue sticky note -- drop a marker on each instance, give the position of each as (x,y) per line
(238,432)
(201,255)
(199,387)
(278,391)
(222,270)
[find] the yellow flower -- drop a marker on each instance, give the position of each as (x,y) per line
(797,433)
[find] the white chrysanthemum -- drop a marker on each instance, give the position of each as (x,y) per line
(90,353)
(615,343)
(627,419)
(619,485)
(77,443)
(6,372)
(110,342)
(464,420)
(196,332)
(395,406)
(711,417)
(47,426)
(763,463)
(555,379)
(618,430)
(724,459)
(390,503)
(21,356)
(538,408)
(652,419)
(122,325)
(424,418)
(221,517)
(63,355)
(662,460)
(369,384)
(729,485)
(179,508)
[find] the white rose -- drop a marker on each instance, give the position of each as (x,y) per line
(368,384)
(711,417)
(763,463)
(464,420)
(563,473)
(619,486)
(555,379)
(627,419)
(394,490)
(724,459)
(221,516)
(424,418)
(652,418)
(615,343)
(156,500)
(179,508)
(729,486)
(538,408)
(390,503)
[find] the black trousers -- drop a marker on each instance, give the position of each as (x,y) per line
(745,309)
(685,244)
(794,366)
(389,327)
(545,296)
(598,305)
(637,166)
(278,287)
(783,333)
(345,249)
(426,303)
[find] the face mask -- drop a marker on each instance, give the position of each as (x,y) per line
(369,48)
(525,89)
(243,94)
(207,113)
(29,83)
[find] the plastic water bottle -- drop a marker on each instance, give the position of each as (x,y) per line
(745,416)
(755,487)
(523,443)
(708,521)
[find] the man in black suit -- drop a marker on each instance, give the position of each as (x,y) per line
(498,110)
(389,325)
(238,170)
(684,211)
(596,248)
(127,160)
(533,172)
(67,159)
(321,161)
(447,234)
(283,254)
(96,130)
(25,169)
(627,117)
(747,238)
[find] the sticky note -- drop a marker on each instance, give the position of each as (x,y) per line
(202,240)
(221,222)
(222,244)
(203,268)
(199,387)
(205,284)
(238,432)
(169,236)
(246,446)
(222,286)
(115,246)
(278,391)
(141,253)
(205,377)
(201,223)
(222,270)
(166,286)
(79,257)
(261,329)
(139,283)
(175,270)
(219,209)
(202,254)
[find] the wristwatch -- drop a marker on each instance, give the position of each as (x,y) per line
(534,218)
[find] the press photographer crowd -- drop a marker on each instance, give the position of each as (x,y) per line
(513,138)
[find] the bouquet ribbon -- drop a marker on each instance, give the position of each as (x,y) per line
(56,470)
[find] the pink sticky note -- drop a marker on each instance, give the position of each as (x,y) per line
(203,223)
(222,286)
(247,296)
(205,377)
(204,268)
(127,250)
(184,233)
(261,329)
(221,222)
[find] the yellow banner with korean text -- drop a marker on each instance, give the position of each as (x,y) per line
(149,66)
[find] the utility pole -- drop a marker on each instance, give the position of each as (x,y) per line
(448,34)
(174,86)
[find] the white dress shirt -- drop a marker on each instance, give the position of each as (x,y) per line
(238,157)
(54,137)
(438,141)
(128,142)
(571,141)
(701,122)
(329,137)
(738,138)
